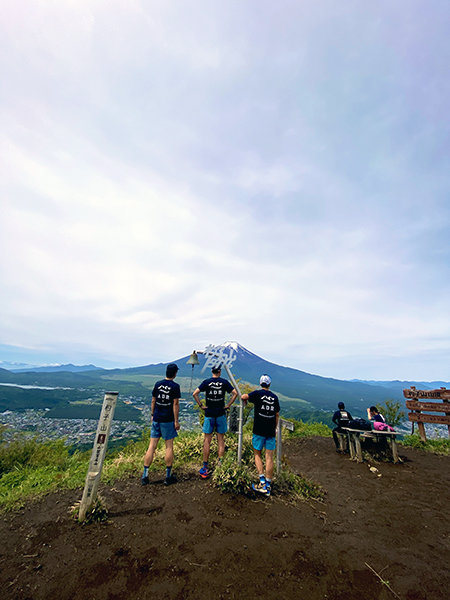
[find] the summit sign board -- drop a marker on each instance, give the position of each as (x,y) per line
(421,402)
(439,394)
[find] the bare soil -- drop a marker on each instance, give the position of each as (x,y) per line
(190,541)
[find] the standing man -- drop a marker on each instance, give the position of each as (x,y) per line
(165,410)
(215,389)
(265,422)
(341,418)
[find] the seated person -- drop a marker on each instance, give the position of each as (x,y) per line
(379,422)
(341,418)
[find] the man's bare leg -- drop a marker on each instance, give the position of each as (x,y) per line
(269,464)
(259,462)
(169,453)
(206,450)
(148,459)
(169,462)
(207,446)
(220,445)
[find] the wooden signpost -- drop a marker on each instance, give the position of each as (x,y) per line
(418,402)
(287,425)
(98,453)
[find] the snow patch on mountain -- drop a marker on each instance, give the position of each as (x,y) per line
(233,345)
(238,348)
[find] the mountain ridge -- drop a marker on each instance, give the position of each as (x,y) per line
(319,392)
(66,368)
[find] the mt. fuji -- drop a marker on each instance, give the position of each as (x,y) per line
(320,392)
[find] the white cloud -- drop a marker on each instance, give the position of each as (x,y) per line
(173,174)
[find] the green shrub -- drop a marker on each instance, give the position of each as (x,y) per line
(188,447)
(232,478)
(302,429)
(392,412)
(98,513)
(296,486)
(32,452)
(29,468)
(438,446)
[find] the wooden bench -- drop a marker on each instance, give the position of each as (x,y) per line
(343,440)
(354,441)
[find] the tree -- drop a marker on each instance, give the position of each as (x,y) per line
(392,411)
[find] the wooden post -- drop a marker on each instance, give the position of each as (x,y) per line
(287,425)
(416,402)
(448,426)
(358,447)
(350,445)
(98,453)
(241,413)
(394,448)
(279,443)
(423,435)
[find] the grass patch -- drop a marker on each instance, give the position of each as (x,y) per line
(98,513)
(232,478)
(297,487)
(25,482)
(437,446)
(302,429)
(30,469)
(236,479)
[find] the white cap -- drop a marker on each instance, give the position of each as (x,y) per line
(265,379)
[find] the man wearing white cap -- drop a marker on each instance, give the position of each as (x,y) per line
(267,411)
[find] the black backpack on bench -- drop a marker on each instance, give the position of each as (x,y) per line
(360,424)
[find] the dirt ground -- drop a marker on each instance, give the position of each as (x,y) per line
(190,541)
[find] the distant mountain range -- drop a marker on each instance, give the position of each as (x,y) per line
(321,393)
(401,385)
(68,368)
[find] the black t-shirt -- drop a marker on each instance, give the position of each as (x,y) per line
(266,408)
(165,392)
(215,389)
(379,417)
(342,418)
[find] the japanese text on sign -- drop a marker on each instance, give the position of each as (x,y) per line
(217,356)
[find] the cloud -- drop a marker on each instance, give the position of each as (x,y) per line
(174,174)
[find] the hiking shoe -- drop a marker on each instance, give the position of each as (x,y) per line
(262,488)
(144,480)
(204,473)
(170,480)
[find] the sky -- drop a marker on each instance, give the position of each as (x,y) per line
(174,174)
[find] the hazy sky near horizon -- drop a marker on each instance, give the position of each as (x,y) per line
(181,173)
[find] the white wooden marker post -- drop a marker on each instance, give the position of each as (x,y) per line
(286,425)
(98,453)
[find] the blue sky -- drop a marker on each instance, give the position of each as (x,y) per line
(175,174)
